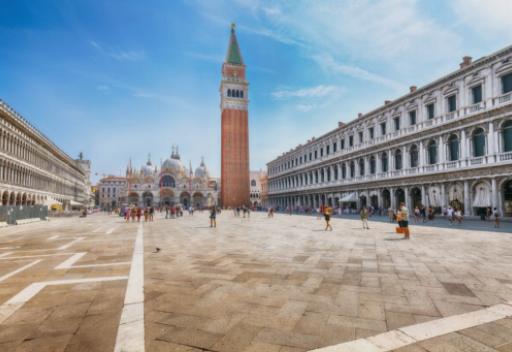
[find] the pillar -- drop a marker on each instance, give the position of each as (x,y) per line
(494,194)
(423,196)
(467,201)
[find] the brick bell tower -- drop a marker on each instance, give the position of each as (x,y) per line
(235,128)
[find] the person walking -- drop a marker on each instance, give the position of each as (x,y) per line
(270,212)
(151,213)
(403,223)
(496,215)
(364,218)
(139,213)
(327,217)
(213,216)
(146,214)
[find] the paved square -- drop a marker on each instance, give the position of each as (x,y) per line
(257,284)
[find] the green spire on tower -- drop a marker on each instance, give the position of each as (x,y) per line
(234,56)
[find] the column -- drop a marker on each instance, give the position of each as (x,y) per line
(393,198)
(464,152)
(421,153)
(391,161)
(440,151)
(407,198)
(378,166)
(467,200)
(494,194)
(443,196)
(490,141)
(339,171)
(379,198)
(423,195)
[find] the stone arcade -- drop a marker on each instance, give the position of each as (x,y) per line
(447,143)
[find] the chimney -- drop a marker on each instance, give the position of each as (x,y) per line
(412,89)
(466,61)
(386,102)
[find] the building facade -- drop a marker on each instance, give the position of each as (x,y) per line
(447,143)
(234,128)
(170,184)
(33,170)
(111,192)
(255,195)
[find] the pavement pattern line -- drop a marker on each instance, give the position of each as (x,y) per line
(19,270)
(70,263)
(12,305)
(130,334)
(67,245)
(412,334)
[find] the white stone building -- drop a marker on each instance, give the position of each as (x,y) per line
(447,143)
(33,170)
(255,187)
(112,192)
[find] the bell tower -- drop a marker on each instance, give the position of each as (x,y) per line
(234,128)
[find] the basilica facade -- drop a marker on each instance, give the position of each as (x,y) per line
(446,143)
(169,184)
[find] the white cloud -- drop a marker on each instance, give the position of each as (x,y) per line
(311,92)
(118,54)
(104,88)
(330,65)
(488,18)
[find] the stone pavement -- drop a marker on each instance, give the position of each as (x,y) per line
(257,284)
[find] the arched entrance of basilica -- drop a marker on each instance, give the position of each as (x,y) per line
(185,199)
(147,198)
(166,197)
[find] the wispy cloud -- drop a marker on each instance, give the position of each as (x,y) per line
(330,65)
(213,58)
(118,54)
(104,88)
(310,92)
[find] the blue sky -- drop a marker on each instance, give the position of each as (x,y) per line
(116,79)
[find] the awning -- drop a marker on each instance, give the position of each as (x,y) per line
(350,198)
(50,201)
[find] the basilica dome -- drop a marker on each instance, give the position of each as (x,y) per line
(201,171)
(147,169)
(173,166)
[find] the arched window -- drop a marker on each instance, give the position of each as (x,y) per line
(414,155)
(384,162)
(241,94)
(398,159)
(453,147)
(432,152)
(478,142)
(229,93)
(167,181)
(352,169)
(361,167)
(343,171)
(253,183)
(372,165)
(507,136)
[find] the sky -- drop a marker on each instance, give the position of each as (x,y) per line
(127,78)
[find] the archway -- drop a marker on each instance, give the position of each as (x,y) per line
(5,198)
(147,198)
(363,201)
(166,197)
(374,201)
(24,199)
(12,199)
(185,199)
(198,199)
(133,198)
(399,196)
(456,196)
(386,199)
(167,181)
(507,198)
(416,197)
(18,199)
(481,198)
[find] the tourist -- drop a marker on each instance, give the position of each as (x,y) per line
(391,215)
(496,215)
(133,213)
(213,217)
(457,216)
(127,214)
(138,213)
(423,212)
(417,214)
(449,214)
(270,212)
(151,213)
(403,222)
(146,214)
(364,217)
(327,217)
